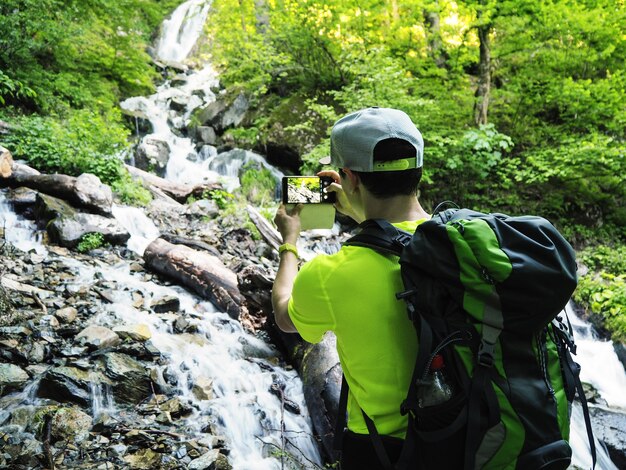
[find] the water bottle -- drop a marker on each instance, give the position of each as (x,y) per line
(435,389)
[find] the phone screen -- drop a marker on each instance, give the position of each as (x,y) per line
(306,190)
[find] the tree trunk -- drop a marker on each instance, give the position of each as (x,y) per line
(481,105)
(177,191)
(96,198)
(6,162)
(435,43)
(203,273)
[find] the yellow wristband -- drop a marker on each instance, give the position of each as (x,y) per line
(288,247)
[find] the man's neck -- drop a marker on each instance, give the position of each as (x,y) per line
(395,209)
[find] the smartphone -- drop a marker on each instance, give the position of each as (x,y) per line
(307,190)
(318,210)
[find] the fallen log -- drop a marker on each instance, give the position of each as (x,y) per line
(267,231)
(177,191)
(202,272)
(6,162)
(84,191)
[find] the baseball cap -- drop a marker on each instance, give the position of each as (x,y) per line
(354,136)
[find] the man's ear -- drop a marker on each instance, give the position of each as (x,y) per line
(353,178)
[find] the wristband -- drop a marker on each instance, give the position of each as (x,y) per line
(288,247)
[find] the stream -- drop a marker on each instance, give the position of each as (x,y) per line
(248,383)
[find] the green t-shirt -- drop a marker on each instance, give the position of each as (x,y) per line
(352,293)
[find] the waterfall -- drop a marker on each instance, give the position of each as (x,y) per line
(18,231)
(181,31)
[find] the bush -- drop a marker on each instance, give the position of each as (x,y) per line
(90,241)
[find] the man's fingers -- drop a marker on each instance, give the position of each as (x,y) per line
(296,210)
(334,188)
(330,174)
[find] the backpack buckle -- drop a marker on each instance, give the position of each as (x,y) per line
(486,353)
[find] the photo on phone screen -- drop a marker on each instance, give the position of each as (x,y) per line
(306,190)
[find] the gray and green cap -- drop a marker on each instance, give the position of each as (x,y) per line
(354,136)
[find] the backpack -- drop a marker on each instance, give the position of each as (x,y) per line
(486,293)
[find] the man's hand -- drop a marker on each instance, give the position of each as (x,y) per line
(342,204)
(288,223)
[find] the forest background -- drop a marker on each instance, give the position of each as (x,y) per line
(521,103)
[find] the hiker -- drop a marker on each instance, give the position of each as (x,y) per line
(378,153)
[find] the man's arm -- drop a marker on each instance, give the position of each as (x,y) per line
(288,225)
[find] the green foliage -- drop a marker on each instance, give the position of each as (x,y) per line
(602,290)
(258,184)
(83,143)
(131,191)
(90,241)
(222,198)
(13,89)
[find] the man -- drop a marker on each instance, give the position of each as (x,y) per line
(379,154)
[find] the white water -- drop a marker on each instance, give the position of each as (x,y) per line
(181,31)
(240,366)
(600,365)
(142,230)
(19,231)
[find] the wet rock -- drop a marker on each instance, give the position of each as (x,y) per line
(70,384)
(49,321)
(610,427)
(66,315)
(70,425)
(165,304)
(144,459)
(138,332)
(97,337)
(104,422)
(152,155)
(68,232)
(131,381)
(12,377)
(175,408)
(179,103)
(203,388)
(206,135)
(92,193)
(65,225)
(14,331)
(620,350)
(205,461)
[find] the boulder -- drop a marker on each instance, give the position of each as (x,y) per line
(70,384)
(66,225)
(138,332)
(144,459)
(12,377)
(91,192)
(205,461)
(66,314)
(206,135)
(236,112)
(203,388)
(70,425)
(609,426)
(97,337)
(179,103)
(169,303)
(152,155)
(131,380)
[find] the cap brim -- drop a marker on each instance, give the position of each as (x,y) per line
(325,160)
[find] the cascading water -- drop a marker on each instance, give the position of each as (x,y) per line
(181,31)
(19,231)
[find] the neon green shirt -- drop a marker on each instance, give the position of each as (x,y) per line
(352,293)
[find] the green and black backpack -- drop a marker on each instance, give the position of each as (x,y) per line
(486,292)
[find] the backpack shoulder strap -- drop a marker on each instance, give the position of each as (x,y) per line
(380,235)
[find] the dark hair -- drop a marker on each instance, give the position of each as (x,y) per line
(385,184)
